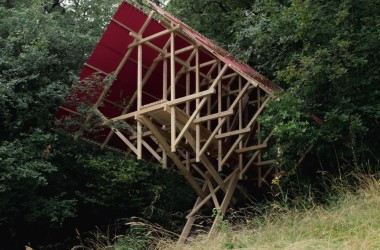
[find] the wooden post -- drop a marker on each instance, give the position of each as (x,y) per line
(226,200)
(172,90)
(220,150)
(197,128)
(240,127)
(188,113)
(139,100)
(165,80)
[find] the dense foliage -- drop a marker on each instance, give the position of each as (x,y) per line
(325,54)
(50,185)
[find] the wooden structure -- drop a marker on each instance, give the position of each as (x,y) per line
(186,101)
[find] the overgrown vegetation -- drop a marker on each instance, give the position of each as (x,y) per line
(349,221)
(324,54)
(49,184)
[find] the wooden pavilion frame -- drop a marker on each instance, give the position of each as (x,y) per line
(205,118)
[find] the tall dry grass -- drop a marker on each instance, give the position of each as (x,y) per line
(351,220)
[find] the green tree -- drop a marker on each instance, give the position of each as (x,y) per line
(42,46)
(324,54)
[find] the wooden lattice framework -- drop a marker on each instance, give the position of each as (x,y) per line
(187,101)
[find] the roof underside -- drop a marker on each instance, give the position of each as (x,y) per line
(119,38)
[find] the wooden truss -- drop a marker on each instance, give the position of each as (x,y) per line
(208,131)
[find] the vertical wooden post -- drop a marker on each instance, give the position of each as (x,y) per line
(164,97)
(259,169)
(139,100)
(197,89)
(188,112)
(240,127)
(172,91)
(220,150)
(165,79)
(228,103)
(226,200)
(209,112)
(190,221)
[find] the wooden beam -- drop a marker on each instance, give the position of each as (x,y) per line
(150,125)
(96,69)
(197,90)
(190,221)
(214,116)
(206,162)
(141,39)
(139,100)
(177,52)
(117,132)
(151,150)
(191,97)
(208,197)
(253,158)
(226,200)
(172,91)
(202,65)
(251,148)
(248,127)
(199,107)
(233,133)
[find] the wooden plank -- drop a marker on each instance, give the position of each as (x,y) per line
(151,150)
(208,197)
(231,150)
(145,134)
(233,133)
(141,112)
(226,201)
(229,76)
(70,111)
(190,121)
(165,80)
(251,122)
(202,65)
(214,116)
(177,52)
(203,158)
(172,91)
(258,112)
(139,100)
(251,148)
(191,97)
(96,69)
(190,221)
(174,158)
(240,114)
(220,145)
(117,132)
(253,158)
(197,90)
(141,39)
(150,95)
(213,195)
(212,136)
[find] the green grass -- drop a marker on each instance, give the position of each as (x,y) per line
(351,221)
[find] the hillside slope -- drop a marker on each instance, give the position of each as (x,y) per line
(352,221)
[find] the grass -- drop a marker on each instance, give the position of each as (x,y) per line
(351,220)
